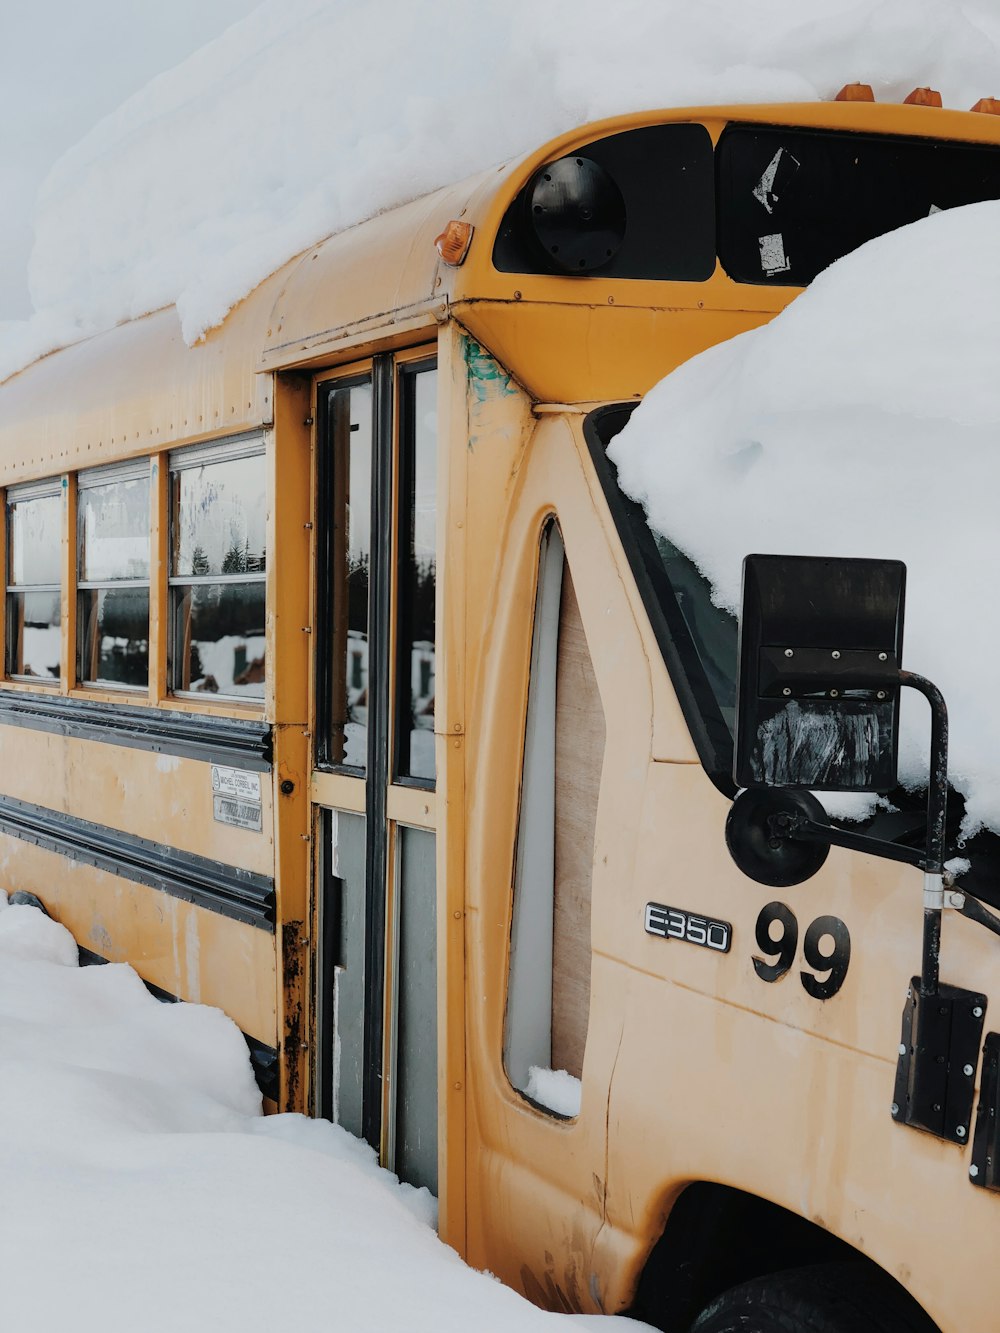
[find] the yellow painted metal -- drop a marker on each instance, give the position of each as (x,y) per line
(185,950)
(412,806)
(162,797)
(337,791)
(133,390)
(289,650)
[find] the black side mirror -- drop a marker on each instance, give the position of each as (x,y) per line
(817,703)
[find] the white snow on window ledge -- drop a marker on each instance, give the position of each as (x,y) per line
(554,1089)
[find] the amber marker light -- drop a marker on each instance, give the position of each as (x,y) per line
(989,105)
(855,92)
(923,97)
(453,243)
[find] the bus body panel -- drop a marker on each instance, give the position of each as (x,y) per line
(694,1068)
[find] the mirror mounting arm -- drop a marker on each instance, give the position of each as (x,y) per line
(803,829)
(937,812)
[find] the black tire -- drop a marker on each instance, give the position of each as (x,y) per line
(824,1298)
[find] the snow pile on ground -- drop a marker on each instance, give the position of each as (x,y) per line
(310,115)
(142,1189)
(865,421)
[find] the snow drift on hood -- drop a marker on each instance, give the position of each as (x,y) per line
(310,115)
(864,420)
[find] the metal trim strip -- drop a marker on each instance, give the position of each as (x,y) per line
(230,891)
(243,743)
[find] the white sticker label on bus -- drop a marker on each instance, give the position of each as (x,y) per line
(241,814)
(236,798)
(772,254)
(236,782)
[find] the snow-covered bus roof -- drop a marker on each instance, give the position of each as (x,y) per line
(377,284)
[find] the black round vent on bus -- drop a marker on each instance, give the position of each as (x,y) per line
(577,214)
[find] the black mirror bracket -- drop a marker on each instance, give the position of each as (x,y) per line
(821,642)
(942,1025)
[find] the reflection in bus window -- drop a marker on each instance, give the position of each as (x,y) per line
(217,571)
(34,528)
(349,459)
(698,638)
(417,574)
(113,578)
(714,631)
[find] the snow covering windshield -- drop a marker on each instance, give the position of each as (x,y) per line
(864,420)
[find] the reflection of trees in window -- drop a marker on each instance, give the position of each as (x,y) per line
(217,578)
(417,575)
(113,561)
(345,506)
(34,545)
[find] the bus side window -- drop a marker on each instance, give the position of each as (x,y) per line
(218,510)
(112,563)
(34,545)
(548,996)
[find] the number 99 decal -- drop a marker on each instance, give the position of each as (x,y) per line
(834,962)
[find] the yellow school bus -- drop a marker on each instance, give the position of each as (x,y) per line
(343,689)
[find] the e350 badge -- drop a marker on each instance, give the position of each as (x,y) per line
(672,923)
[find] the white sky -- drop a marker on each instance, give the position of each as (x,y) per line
(64,65)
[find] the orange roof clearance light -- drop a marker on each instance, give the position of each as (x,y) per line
(855,92)
(989,105)
(923,97)
(453,243)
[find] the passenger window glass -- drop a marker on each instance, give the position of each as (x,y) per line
(217,574)
(548,996)
(34,553)
(348,469)
(220,516)
(415,664)
(113,579)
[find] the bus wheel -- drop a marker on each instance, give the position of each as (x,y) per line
(825,1298)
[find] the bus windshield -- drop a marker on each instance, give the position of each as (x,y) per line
(698,638)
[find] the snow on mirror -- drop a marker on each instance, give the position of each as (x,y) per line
(854,424)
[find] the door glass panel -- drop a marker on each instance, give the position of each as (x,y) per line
(416,999)
(349,459)
(342,984)
(415,665)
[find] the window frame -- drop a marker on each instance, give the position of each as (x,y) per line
(406,375)
(250,444)
(131,470)
(47,488)
(356,378)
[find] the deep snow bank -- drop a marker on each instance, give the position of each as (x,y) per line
(310,115)
(864,420)
(142,1189)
